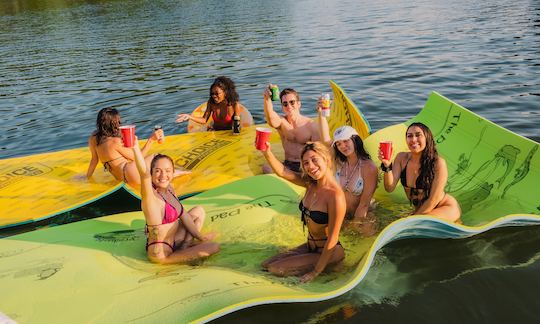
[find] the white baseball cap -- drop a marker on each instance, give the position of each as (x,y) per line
(344,133)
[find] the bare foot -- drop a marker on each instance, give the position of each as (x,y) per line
(210,236)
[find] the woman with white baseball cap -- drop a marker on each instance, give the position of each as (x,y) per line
(355,172)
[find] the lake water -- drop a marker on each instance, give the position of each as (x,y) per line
(62,61)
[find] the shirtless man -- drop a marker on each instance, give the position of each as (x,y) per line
(294,129)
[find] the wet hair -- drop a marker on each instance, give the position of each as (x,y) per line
(228,86)
(428,158)
(107,124)
(287,91)
(359,149)
(158,157)
(320,149)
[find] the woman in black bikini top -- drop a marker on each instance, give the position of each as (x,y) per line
(322,210)
(427,170)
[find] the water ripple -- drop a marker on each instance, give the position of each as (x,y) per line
(63,61)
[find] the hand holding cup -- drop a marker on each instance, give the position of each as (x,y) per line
(262,138)
(128,135)
(385,152)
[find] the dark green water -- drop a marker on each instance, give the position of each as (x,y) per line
(62,61)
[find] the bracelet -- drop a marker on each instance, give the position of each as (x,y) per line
(385,169)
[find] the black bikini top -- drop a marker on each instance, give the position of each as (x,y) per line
(417,196)
(317,216)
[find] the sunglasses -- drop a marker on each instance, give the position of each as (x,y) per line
(286,103)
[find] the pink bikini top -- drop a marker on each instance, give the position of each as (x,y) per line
(171,214)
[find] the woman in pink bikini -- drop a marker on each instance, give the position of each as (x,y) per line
(169,228)
(222,105)
(105,144)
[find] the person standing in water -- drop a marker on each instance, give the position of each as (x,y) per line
(294,129)
(223,106)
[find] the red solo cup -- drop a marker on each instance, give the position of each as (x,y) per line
(128,135)
(386,149)
(263,135)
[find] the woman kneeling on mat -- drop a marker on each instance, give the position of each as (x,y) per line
(223,105)
(323,210)
(106,145)
(423,174)
(169,228)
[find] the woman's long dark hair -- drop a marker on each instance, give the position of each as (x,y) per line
(107,124)
(427,160)
(359,149)
(228,86)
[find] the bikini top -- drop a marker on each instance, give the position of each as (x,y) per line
(171,214)
(416,193)
(317,216)
(356,187)
(222,124)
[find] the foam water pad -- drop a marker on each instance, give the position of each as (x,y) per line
(96,270)
(40,186)
(345,112)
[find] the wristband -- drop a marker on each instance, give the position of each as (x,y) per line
(385,169)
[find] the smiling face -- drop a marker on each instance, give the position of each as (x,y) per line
(218,94)
(162,172)
(345,147)
(416,139)
(290,103)
(314,164)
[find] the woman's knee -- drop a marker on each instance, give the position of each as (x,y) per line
(197,212)
(207,249)
(276,270)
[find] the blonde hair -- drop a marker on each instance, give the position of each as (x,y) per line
(321,150)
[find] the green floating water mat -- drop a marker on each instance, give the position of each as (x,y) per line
(97,271)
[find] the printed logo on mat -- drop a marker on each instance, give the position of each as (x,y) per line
(19,173)
(197,154)
(268,201)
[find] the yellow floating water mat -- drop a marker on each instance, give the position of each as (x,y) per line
(40,186)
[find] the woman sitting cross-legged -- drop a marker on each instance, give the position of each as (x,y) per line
(170,229)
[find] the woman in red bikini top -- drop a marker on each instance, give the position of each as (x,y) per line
(222,105)
(423,174)
(169,228)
